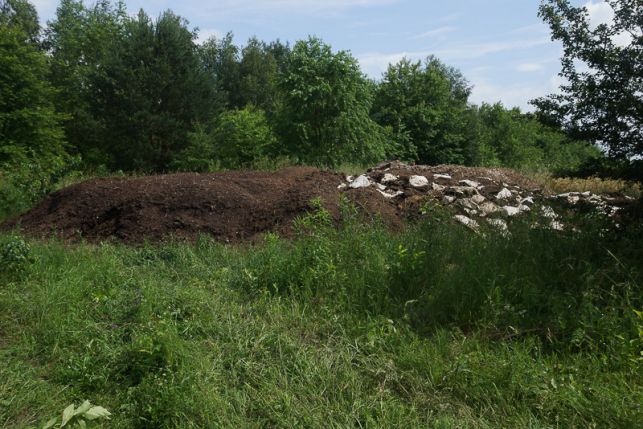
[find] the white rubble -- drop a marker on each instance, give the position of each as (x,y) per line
(442,176)
(466,221)
(361,182)
(438,188)
(388,178)
(469,183)
(504,194)
(478,199)
(418,181)
(510,211)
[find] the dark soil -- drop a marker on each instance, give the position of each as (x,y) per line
(231,206)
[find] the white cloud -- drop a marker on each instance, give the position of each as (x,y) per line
(600,12)
(374,63)
(227,8)
(441,31)
(529,67)
(206,33)
(516,95)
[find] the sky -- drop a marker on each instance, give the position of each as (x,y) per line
(501,46)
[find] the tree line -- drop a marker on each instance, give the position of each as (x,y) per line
(98,88)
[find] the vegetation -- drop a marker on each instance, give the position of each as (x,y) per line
(436,327)
(602,100)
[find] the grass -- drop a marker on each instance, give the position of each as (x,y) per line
(596,185)
(353,327)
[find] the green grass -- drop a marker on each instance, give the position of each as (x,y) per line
(353,327)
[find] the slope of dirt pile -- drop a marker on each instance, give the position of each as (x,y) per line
(230,206)
(242,205)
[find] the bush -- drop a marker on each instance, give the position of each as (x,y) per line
(239,139)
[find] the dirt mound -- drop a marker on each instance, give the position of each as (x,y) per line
(242,205)
(230,206)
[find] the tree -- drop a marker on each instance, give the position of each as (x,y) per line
(20,14)
(153,89)
(258,76)
(326,101)
(425,104)
(602,97)
(80,41)
(238,139)
(32,149)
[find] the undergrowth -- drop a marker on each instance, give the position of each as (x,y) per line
(352,326)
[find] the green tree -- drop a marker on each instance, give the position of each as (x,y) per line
(153,89)
(21,14)
(220,61)
(258,76)
(326,101)
(80,41)
(426,106)
(602,97)
(32,149)
(238,139)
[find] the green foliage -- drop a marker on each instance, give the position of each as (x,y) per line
(79,417)
(152,93)
(425,104)
(32,147)
(239,139)
(15,255)
(80,40)
(324,117)
(22,15)
(435,324)
(509,138)
(602,99)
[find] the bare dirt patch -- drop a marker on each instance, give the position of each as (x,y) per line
(230,206)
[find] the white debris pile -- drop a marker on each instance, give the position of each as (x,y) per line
(496,195)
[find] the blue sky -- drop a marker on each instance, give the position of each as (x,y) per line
(501,46)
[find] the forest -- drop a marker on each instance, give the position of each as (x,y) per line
(100,90)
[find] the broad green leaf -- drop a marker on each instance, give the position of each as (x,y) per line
(97,413)
(83,408)
(50,423)
(68,413)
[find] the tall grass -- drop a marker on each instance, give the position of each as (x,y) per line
(342,327)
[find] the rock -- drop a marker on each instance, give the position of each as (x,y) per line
(471,212)
(466,221)
(442,176)
(585,194)
(361,182)
(487,208)
(391,195)
(548,212)
(342,186)
(510,211)
(466,203)
(573,199)
(438,188)
(554,224)
(388,178)
(418,181)
(380,186)
(448,199)
(478,199)
(529,201)
(499,224)
(349,179)
(504,194)
(524,208)
(463,190)
(469,183)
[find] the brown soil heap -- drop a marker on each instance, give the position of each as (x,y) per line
(230,206)
(242,205)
